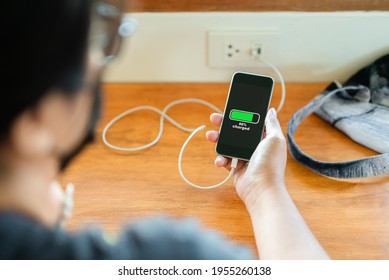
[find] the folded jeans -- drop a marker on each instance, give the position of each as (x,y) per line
(360,109)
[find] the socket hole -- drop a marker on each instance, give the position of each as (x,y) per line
(229,55)
(237,51)
(257,50)
(230,46)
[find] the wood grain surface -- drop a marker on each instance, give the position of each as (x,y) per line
(350,218)
(255,5)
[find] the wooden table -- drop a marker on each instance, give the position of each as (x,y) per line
(349,217)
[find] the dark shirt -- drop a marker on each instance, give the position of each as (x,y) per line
(150,239)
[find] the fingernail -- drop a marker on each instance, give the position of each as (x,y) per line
(219,161)
(273,112)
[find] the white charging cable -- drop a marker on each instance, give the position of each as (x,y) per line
(282,82)
(234,163)
(164,115)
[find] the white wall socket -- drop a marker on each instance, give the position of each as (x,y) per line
(235,48)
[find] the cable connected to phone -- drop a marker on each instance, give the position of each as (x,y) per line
(164,116)
(282,82)
(234,163)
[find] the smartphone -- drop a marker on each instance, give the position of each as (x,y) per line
(244,115)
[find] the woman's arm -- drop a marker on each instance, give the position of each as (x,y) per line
(280,230)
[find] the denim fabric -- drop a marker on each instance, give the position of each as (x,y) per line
(360,109)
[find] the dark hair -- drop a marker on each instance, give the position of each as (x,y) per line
(44,44)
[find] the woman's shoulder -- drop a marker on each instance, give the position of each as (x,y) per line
(165,237)
(152,238)
(21,237)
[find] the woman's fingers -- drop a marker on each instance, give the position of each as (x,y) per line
(272,124)
(216,118)
(212,136)
(221,161)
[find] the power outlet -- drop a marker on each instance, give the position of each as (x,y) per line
(242,48)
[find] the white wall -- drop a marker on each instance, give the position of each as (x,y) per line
(172,47)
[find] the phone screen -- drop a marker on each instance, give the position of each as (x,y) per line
(244,115)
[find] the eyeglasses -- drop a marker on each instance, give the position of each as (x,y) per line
(108,27)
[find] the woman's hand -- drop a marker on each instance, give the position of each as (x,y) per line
(266,167)
(280,230)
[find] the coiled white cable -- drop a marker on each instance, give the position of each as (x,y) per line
(164,115)
(234,163)
(161,123)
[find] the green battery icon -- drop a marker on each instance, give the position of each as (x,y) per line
(244,116)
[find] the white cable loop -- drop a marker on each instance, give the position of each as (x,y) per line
(161,122)
(164,115)
(233,166)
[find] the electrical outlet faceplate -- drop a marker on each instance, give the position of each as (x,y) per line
(235,48)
